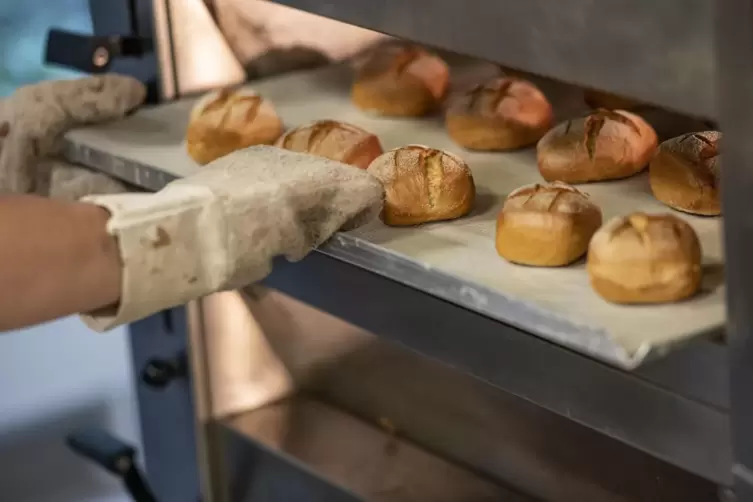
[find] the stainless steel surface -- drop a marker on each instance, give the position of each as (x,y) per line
(439,407)
(652,413)
(658,51)
(137,174)
(254,27)
(735,53)
(558,305)
(374,464)
(192,52)
(164,49)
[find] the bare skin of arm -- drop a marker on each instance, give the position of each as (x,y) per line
(56,259)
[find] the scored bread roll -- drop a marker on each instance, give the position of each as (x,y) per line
(503,114)
(228,120)
(402,81)
(334,140)
(644,258)
(685,173)
(423,184)
(546,225)
(604,145)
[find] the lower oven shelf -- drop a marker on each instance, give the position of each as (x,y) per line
(304,449)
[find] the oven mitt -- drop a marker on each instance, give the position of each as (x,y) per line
(33,121)
(219,229)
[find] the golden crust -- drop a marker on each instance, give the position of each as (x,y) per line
(546,225)
(403,81)
(228,120)
(604,145)
(423,184)
(643,258)
(686,173)
(334,140)
(504,114)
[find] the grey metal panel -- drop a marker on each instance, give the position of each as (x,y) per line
(735,50)
(166,415)
(256,474)
(700,371)
(680,430)
(659,51)
(347,457)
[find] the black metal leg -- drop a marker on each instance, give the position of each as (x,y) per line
(735,91)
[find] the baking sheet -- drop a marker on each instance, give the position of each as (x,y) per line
(453,260)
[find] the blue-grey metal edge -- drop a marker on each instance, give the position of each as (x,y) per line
(735,56)
(657,51)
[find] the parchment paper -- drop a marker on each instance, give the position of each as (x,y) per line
(463,248)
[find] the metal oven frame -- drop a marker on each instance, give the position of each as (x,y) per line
(691,409)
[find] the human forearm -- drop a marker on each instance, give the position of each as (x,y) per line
(142,253)
(56,259)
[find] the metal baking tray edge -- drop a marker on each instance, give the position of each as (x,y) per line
(363,254)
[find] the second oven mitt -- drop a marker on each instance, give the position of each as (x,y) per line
(33,121)
(219,229)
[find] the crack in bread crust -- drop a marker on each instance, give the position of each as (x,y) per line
(319,133)
(431,161)
(595,122)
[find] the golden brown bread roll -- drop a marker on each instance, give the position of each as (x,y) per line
(685,173)
(504,114)
(333,140)
(228,120)
(602,146)
(546,225)
(644,258)
(602,99)
(402,81)
(423,184)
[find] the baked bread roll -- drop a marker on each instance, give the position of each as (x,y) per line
(228,120)
(333,140)
(602,99)
(644,258)
(546,225)
(401,81)
(685,173)
(504,114)
(423,184)
(604,145)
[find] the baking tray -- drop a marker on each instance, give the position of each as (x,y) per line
(456,260)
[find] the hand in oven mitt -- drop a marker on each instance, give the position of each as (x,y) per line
(220,228)
(33,121)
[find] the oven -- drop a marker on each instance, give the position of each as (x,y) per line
(327,382)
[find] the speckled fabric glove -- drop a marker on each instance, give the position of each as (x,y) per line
(33,121)
(219,229)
